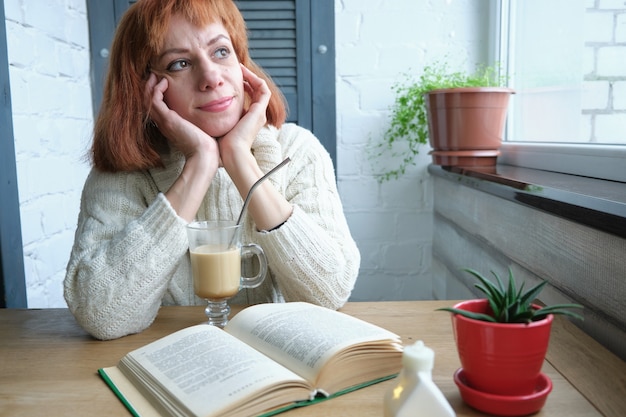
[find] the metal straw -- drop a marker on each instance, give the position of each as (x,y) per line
(259,181)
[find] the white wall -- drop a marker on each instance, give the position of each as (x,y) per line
(376,40)
(52,118)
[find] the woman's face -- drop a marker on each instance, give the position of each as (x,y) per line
(204,77)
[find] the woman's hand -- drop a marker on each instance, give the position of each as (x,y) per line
(201,151)
(268,208)
(182,134)
(238,141)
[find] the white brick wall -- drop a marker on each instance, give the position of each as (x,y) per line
(620,28)
(596,95)
(619,96)
(51,104)
(610,61)
(609,128)
(376,40)
(604,95)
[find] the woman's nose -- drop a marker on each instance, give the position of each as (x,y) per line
(209,75)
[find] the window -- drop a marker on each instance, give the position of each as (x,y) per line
(565,59)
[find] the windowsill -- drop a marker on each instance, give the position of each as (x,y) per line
(600,204)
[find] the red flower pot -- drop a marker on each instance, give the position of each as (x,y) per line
(500,358)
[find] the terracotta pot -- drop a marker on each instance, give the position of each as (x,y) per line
(465,158)
(470,120)
(500,358)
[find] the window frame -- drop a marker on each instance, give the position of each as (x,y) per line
(12,281)
(596,161)
(602,161)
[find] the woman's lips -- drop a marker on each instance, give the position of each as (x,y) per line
(218,105)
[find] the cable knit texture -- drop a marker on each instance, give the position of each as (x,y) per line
(130,253)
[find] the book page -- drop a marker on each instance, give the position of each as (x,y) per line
(303,336)
(207,370)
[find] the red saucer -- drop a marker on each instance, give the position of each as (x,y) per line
(504,405)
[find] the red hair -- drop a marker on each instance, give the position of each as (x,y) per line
(124,140)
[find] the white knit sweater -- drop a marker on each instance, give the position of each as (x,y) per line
(130,253)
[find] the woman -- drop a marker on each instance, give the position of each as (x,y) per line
(188,124)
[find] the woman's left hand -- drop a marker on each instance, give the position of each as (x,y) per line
(239,139)
(268,208)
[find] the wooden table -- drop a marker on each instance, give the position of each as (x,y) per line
(48,363)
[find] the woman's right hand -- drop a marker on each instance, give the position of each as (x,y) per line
(182,134)
(201,151)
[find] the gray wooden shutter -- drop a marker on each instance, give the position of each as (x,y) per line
(103,17)
(294,42)
(273,37)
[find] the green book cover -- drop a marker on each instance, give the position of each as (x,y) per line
(318,399)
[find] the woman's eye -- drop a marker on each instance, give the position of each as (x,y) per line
(222,52)
(178,65)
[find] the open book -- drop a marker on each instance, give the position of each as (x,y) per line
(268,359)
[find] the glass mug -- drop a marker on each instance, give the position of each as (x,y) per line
(216,250)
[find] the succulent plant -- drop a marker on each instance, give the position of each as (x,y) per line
(510,304)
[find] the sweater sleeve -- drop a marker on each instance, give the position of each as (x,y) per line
(128,242)
(312,255)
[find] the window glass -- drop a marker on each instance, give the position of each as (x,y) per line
(567,62)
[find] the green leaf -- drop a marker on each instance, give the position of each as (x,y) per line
(491,290)
(558,309)
(469,314)
(533,293)
(512,305)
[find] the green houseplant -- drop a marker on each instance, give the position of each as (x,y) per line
(412,124)
(510,304)
(502,341)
